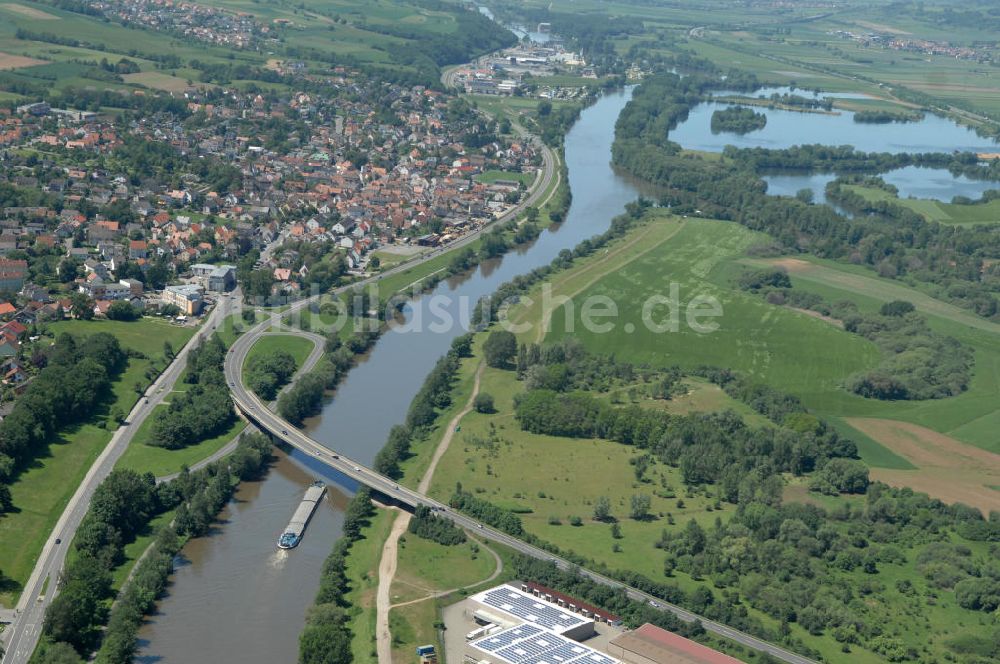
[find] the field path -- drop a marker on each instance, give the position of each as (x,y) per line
(442,593)
(387,565)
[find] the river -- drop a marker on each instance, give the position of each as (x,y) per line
(233,597)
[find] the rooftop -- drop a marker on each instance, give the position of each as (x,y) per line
(530,609)
(531,644)
(659,645)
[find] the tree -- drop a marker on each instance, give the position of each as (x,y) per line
(55,653)
(122,310)
(69,270)
(82,306)
(484,403)
(639,506)
(896,308)
(500,348)
(168,350)
(602,509)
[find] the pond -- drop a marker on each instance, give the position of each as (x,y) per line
(787,128)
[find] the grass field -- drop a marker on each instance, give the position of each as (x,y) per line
(415,624)
(362,573)
(41,492)
(791,350)
(778,346)
(944,213)
(142,457)
(493,176)
(298,347)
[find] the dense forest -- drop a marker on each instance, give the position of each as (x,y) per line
(958,263)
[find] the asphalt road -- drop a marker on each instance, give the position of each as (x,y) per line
(30,613)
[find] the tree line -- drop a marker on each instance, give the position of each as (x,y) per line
(424,523)
(74,380)
(434,396)
(326,638)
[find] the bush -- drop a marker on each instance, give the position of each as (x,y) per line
(430,526)
(484,403)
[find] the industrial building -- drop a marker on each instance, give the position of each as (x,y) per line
(650,644)
(516,627)
(528,623)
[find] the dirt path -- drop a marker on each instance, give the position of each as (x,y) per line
(442,593)
(388,562)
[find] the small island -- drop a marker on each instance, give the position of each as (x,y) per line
(737,120)
(886,117)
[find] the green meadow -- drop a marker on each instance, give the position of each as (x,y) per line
(44,488)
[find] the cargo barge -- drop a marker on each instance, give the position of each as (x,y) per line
(297,526)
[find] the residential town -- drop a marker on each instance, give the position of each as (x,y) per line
(925,46)
(305,187)
(187,19)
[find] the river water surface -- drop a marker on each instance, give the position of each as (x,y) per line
(234,598)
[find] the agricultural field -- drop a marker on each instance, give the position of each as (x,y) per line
(791,350)
(52,48)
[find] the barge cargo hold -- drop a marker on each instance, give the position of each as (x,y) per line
(297,526)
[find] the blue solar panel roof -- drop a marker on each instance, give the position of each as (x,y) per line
(531,609)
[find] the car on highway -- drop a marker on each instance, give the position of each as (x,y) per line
(58,540)
(357,469)
(284,431)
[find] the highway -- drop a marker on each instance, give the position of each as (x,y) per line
(24,631)
(258,412)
